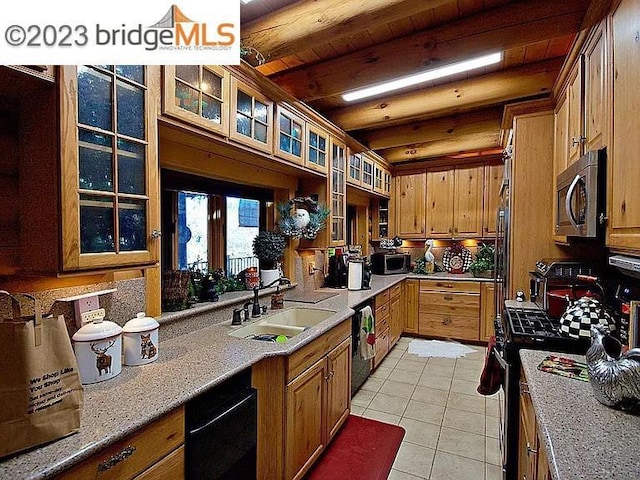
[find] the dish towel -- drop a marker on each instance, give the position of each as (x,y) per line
(492,374)
(367,334)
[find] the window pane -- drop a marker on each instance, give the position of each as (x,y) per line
(94,98)
(96,224)
(95,160)
(243,125)
(243,218)
(132,72)
(188,73)
(296,148)
(285,124)
(297,131)
(244,103)
(130,101)
(131,171)
(313,155)
(133,224)
(260,112)
(187,97)
(285,143)
(261,133)
(211,83)
(193,228)
(322,144)
(211,108)
(322,159)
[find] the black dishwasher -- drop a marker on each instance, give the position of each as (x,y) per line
(221,431)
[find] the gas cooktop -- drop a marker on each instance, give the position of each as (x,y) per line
(532,323)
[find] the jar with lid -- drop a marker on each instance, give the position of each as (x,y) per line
(140,340)
(98,349)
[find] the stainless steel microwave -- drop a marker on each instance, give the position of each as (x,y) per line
(580,197)
(383,263)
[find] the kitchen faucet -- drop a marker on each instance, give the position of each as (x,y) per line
(255,310)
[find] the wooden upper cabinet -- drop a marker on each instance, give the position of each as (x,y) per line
(290,136)
(199,95)
(439,212)
(386,186)
(560,152)
(251,117)
(317,155)
(337,191)
(493,175)
(623,230)
(109,166)
(355,168)
(576,116)
(410,202)
(454,202)
(367,172)
(596,98)
(467,204)
(378,178)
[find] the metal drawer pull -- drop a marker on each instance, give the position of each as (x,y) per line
(448,297)
(446,321)
(328,377)
(117,458)
(531,450)
(445,285)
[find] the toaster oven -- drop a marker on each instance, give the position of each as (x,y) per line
(386,263)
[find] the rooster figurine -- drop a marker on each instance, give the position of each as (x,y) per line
(614,376)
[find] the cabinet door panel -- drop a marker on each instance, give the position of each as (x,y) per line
(467,221)
(305,437)
(492,183)
(440,203)
(338,387)
(410,205)
(487,311)
(574,98)
(465,304)
(448,325)
(411,309)
(595,102)
(395,321)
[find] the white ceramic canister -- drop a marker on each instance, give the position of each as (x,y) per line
(98,349)
(140,340)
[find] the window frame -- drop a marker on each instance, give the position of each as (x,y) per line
(255,95)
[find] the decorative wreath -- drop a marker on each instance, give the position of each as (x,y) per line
(307,220)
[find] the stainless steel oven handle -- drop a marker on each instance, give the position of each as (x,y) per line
(567,201)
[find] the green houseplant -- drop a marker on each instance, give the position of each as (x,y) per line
(484,262)
(268,247)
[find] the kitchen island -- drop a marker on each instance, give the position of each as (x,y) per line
(583,438)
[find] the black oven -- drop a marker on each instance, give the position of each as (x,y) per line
(522,325)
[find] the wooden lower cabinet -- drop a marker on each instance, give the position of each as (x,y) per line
(412,296)
(449,309)
(487,311)
(389,323)
(533,463)
(156,451)
(318,401)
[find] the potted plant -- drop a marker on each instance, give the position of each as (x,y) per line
(268,247)
(484,262)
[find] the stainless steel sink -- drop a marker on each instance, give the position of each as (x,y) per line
(287,323)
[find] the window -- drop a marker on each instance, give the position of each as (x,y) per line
(248,213)
(290,130)
(251,117)
(193,231)
(240,235)
(317,148)
(200,91)
(355,167)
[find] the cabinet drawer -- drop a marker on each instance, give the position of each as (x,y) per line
(452,286)
(382,310)
(302,359)
(396,290)
(130,456)
(381,323)
(382,347)
(464,304)
(382,298)
(450,326)
(171,466)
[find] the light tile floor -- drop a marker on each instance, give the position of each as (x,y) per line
(451,430)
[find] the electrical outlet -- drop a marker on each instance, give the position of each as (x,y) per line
(88,317)
(312,268)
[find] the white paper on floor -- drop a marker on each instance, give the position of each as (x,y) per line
(438,348)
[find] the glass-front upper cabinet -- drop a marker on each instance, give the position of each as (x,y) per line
(367,172)
(378,178)
(386,185)
(338,191)
(355,168)
(198,94)
(317,148)
(290,136)
(110,204)
(251,117)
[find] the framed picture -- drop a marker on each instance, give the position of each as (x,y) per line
(634,318)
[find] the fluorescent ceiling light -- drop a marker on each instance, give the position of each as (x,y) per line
(246,1)
(423,77)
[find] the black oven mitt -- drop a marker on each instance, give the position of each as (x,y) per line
(492,374)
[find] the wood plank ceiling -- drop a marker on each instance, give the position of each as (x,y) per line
(320,49)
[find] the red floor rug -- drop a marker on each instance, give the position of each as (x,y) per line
(364,449)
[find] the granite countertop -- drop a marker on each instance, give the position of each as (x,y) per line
(583,438)
(449,276)
(195,353)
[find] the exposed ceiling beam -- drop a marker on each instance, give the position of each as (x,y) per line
(463,143)
(307,23)
(506,85)
(435,129)
(498,29)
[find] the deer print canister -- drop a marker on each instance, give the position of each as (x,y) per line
(140,340)
(98,348)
